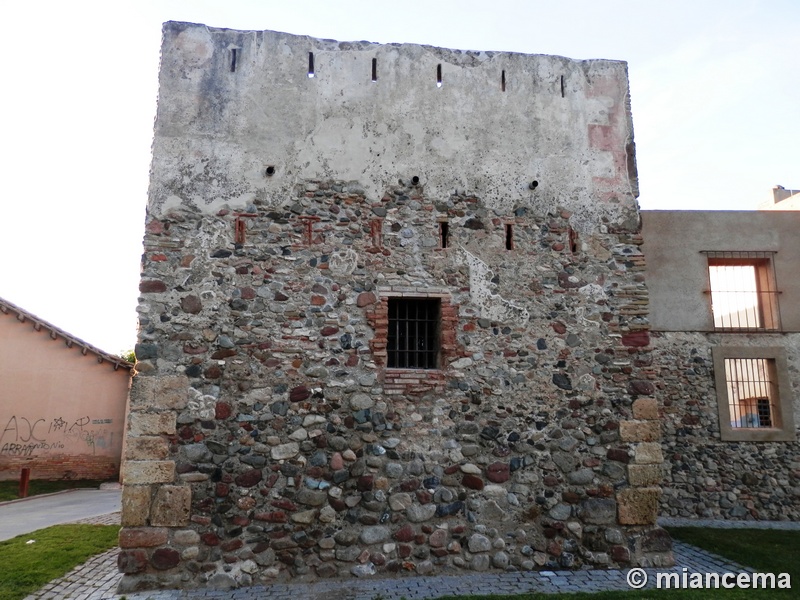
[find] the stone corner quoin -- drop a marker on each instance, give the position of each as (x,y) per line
(321,212)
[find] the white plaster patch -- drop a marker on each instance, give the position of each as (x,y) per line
(586,383)
(171,203)
(593,292)
(580,314)
(492,306)
(201,406)
(343,262)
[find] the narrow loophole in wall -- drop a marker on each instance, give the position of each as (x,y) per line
(573,240)
(503,80)
(311,65)
(509,236)
(308,232)
(234,52)
(374,69)
(439,75)
(239,233)
(376,231)
(415,180)
(562,86)
(444,234)
(270,171)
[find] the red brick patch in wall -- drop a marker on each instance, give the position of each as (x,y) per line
(82,466)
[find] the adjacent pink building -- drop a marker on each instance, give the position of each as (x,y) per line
(62,402)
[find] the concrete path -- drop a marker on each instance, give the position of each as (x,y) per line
(29,514)
(97,579)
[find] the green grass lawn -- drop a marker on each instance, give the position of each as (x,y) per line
(24,568)
(9,490)
(767,551)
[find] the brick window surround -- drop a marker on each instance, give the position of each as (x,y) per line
(758,374)
(414,332)
(413,382)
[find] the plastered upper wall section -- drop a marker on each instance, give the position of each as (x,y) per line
(674,242)
(563,123)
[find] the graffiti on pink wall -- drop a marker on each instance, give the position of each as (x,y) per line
(24,436)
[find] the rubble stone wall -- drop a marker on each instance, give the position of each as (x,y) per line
(268,439)
(707,477)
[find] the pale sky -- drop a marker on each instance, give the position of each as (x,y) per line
(715,88)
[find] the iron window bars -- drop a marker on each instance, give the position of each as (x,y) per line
(744,295)
(413,337)
(752,392)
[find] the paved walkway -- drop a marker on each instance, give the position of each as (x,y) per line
(717,524)
(97,579)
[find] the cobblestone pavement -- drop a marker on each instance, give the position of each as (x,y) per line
(716,524)
(109,519)
(97,579)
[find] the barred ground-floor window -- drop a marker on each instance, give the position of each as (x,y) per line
(753,392)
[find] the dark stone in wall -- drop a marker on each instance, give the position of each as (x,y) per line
(132,561)
(656,540)
(152,287)
(562,381)
(191,304)
(165,558)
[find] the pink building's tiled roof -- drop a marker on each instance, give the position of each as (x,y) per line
(70,341)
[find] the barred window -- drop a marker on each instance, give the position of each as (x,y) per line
(413,336)
(764,407)
(752,390)
(743,291)
(753,393)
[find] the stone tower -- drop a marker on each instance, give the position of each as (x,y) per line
(393,317)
